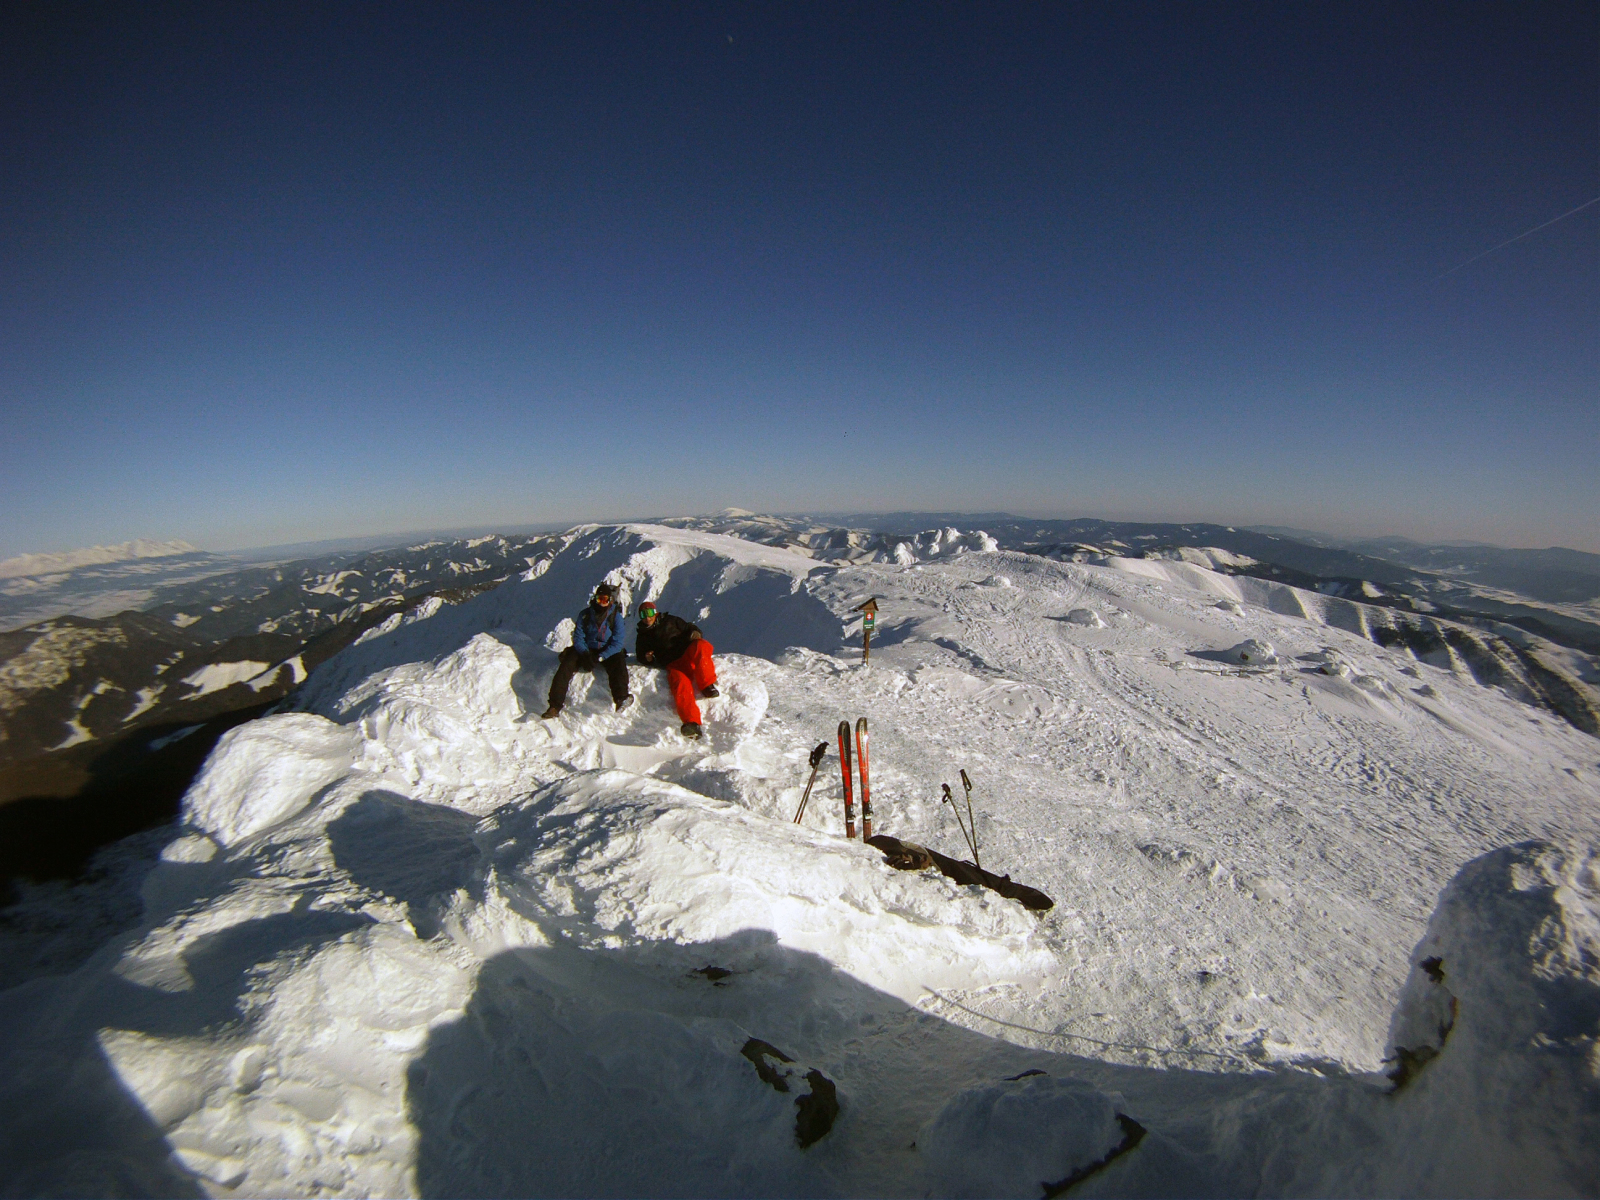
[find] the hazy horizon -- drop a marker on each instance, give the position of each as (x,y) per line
(521,528)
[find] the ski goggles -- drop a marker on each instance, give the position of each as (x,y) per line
(647,610)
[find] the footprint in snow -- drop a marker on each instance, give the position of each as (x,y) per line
(732,717)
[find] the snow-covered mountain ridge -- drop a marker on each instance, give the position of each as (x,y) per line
(1556,612)
(1559,675)
(45,564)
(412,940)
(227,642)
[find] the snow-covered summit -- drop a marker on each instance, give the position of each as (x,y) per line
(412,939)
(836,543)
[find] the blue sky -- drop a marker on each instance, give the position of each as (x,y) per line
(279,272)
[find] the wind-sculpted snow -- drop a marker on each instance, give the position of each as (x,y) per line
(413,940)
(1495,1044)
(265,772)
(750,598)
(621,856)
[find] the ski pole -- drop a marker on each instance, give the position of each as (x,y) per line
(817,756)
(866,790)
(956,808)
(971,820)
(844,761)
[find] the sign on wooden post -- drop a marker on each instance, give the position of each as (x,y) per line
(869,614)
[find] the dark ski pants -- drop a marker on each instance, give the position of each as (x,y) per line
(616,669)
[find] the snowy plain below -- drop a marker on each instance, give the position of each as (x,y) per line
(412,940)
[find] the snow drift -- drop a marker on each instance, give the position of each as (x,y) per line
(1495,1044)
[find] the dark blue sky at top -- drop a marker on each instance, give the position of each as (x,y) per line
(275,272)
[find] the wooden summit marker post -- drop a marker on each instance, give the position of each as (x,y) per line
(869,614)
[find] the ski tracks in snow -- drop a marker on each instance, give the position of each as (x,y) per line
(1185,817)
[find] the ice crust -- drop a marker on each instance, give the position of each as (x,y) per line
(413,940)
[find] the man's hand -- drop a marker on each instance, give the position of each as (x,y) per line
(647,656)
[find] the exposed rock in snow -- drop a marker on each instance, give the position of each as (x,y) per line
(1252,652)
(1330,662)
(1086,616)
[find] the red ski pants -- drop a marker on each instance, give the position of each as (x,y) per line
(690,670)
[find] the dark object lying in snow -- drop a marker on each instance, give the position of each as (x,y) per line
(1132,1134)
(908,856)
(816,1111)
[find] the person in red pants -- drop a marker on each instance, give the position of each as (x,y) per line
(671,642)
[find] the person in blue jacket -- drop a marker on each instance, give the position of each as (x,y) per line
(596,643)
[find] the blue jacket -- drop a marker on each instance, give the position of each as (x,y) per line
(599,631)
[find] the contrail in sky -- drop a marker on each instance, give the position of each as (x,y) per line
(1518,238)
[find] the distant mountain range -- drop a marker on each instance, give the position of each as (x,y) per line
(1555,575)
(101,581)
(45,564)
(198,648)
(36,587)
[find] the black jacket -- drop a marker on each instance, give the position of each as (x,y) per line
(667,640)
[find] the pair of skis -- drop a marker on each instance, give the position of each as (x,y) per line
(820,753)
(866,790)
(906,856)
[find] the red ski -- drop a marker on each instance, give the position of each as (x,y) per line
(866,790)
(844,761)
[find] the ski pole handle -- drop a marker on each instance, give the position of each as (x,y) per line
(950,799)
(817,756)
(971,820)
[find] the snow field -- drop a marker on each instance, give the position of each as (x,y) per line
(415,940)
